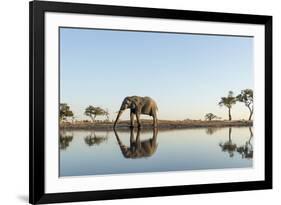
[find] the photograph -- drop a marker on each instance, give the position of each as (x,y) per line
(136,101)
(130,102)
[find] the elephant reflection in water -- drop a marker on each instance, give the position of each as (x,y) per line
(93,139)
(64,139)
(247,150)
(138,148)
(229,146)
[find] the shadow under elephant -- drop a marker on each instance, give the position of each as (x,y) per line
(138,148)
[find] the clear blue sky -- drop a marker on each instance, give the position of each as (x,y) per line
(185,74)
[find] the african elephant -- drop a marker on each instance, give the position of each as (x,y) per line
(138,148)
(138,105)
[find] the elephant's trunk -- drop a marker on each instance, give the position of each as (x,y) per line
(117,118)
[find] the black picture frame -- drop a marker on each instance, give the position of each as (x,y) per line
(37,10)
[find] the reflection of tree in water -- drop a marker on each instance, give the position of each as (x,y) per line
(229,146)
(93,139)
(247,150)
(64,139)
(138,148)
(211,130)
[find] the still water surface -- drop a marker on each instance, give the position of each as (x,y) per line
(89,152)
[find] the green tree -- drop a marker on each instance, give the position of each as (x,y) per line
(211,116)
(106,113)
(228,102)
(65,111)
(246,97)
(90,112)
(93,112)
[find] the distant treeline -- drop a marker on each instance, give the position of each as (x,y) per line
(246,97)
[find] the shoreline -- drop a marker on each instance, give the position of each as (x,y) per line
(162,125)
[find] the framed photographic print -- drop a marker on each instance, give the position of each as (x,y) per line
(140,102)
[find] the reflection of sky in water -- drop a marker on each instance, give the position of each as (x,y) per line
(186,149)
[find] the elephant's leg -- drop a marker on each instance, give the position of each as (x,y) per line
(138,119)
(155,121)
(154,138)
(138,142)
(132,138)
(132,119)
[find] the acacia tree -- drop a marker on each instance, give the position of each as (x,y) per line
(90,112)
(211,116)
(106,113)
(65,111)
(93,112)
(246,97)
(228,102)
